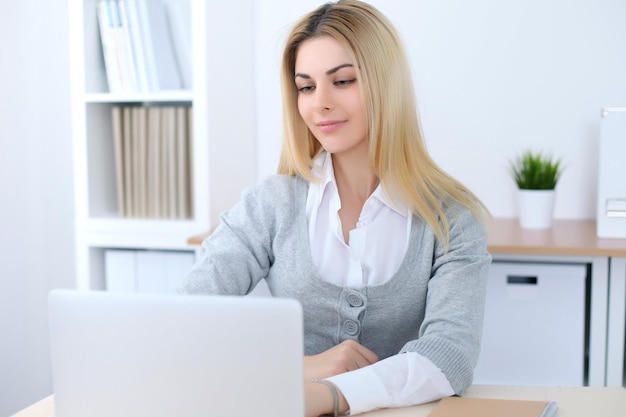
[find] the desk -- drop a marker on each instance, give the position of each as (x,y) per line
(573,401)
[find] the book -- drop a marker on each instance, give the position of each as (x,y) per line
(489,407)
(118,147)
(190,130)
(182,152)
(141,160)
(128,46)
(138,130)
(108,40)
(179,19)
(127,117)
(132,14)
(165,163)
(170,137)
(158,51)
(154,162)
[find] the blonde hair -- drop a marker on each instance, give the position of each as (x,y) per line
(397,154)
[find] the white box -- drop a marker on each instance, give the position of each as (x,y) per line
(146,271)
(611,207)
(120,270)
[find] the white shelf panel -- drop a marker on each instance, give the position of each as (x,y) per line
(116,225)
(136,233)
(140,241)
(173,96)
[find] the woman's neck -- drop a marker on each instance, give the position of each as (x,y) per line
(354,176)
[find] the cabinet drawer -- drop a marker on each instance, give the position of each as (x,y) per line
(534,330)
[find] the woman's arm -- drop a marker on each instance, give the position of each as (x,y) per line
(237,255)
(401,380)
(451,330)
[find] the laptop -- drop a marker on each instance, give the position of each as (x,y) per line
(132,355)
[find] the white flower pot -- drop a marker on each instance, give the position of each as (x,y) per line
(536,208)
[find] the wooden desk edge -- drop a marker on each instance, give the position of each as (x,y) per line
(608,401)
(564,238)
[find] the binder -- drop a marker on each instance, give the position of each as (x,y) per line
(120,273)
(488,407)
(158,51)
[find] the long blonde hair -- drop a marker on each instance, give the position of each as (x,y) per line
(397,152)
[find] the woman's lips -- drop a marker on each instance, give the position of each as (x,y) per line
(330,126)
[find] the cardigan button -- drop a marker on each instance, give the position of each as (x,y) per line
(354,299)
(351,327)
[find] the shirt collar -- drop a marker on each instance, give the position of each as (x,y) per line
(396,205)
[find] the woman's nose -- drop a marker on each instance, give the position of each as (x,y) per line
(323,99)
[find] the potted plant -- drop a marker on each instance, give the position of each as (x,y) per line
(536,175)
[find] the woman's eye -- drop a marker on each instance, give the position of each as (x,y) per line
(344,83)
(306,89)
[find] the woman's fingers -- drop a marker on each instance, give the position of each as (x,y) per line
(346,356)
(368,356)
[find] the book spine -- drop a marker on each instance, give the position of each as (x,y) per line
(118,147)
(107,40)
(131,11)
(130,55)
(158,50)
(182,153)
(128,117)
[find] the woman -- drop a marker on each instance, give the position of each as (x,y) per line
(384,250)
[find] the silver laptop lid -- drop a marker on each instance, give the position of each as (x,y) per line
(175,355)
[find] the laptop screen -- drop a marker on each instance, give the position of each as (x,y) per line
(175,355)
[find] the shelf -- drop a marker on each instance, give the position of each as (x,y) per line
(158,97)
(138,233)
(222,136)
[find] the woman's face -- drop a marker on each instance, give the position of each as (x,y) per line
(329,99)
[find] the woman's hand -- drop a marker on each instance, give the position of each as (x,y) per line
(346,356)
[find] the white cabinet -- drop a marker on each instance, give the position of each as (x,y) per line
(535,325)
(222,132)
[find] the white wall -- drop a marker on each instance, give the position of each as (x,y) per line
(492,78)
(36,233)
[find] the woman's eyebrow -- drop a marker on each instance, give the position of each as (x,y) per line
(329,72)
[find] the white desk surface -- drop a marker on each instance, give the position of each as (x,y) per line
(572,401)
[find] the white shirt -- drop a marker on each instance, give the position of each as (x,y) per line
(400,380)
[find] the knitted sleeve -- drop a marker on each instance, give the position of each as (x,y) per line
(238,254)
(451,331)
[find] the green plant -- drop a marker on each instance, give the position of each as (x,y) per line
(536,171)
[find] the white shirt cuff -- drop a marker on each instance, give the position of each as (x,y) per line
(398,381)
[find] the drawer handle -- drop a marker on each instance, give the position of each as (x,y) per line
(615,207)
(521,279)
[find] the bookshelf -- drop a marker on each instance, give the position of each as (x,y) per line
(222,161)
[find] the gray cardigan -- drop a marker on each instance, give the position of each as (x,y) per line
(433,304)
